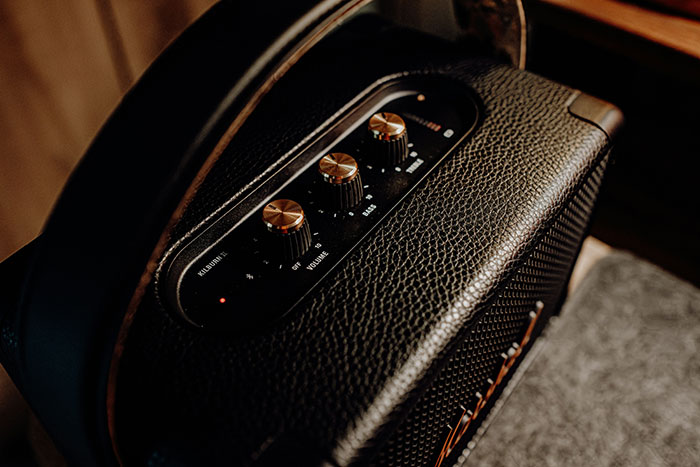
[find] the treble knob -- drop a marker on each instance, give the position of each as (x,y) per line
(342,177)
(285,219)
(389,138)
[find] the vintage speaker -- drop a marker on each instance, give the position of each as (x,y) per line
(275,253)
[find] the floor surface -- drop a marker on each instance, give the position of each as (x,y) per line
(616,379)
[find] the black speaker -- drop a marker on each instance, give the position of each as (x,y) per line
(333,255)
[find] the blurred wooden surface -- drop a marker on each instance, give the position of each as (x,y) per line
(64,65)
(56,86)
(667,29)
(148,26)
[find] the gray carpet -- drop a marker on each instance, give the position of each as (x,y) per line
(615,381)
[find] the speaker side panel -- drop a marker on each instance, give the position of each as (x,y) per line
(432,425)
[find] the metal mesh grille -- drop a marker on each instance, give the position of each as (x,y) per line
(542,277)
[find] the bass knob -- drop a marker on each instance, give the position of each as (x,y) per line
(342,176)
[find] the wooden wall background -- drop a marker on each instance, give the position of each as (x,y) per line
(64,64)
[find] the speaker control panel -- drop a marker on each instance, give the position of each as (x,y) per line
(258,260)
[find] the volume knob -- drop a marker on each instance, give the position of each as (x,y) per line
(342,177)
(390,141)
(285,219)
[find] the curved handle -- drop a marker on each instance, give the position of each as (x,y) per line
(100,245)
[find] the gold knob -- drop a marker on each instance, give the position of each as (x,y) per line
(386,126)
(389,144)
(343,187)
(338,168)
(283,216)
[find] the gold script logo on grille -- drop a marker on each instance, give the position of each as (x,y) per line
(468,416)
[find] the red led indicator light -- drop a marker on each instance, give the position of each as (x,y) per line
(222,300)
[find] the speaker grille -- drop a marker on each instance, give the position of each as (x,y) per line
(543,277)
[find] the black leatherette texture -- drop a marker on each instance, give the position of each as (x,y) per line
(336,376)
(541,277)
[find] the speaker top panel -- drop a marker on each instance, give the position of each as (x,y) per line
(253,263)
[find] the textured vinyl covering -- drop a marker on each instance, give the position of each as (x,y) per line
(338,374)
(616,381)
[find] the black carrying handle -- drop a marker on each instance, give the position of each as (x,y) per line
(100,244)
